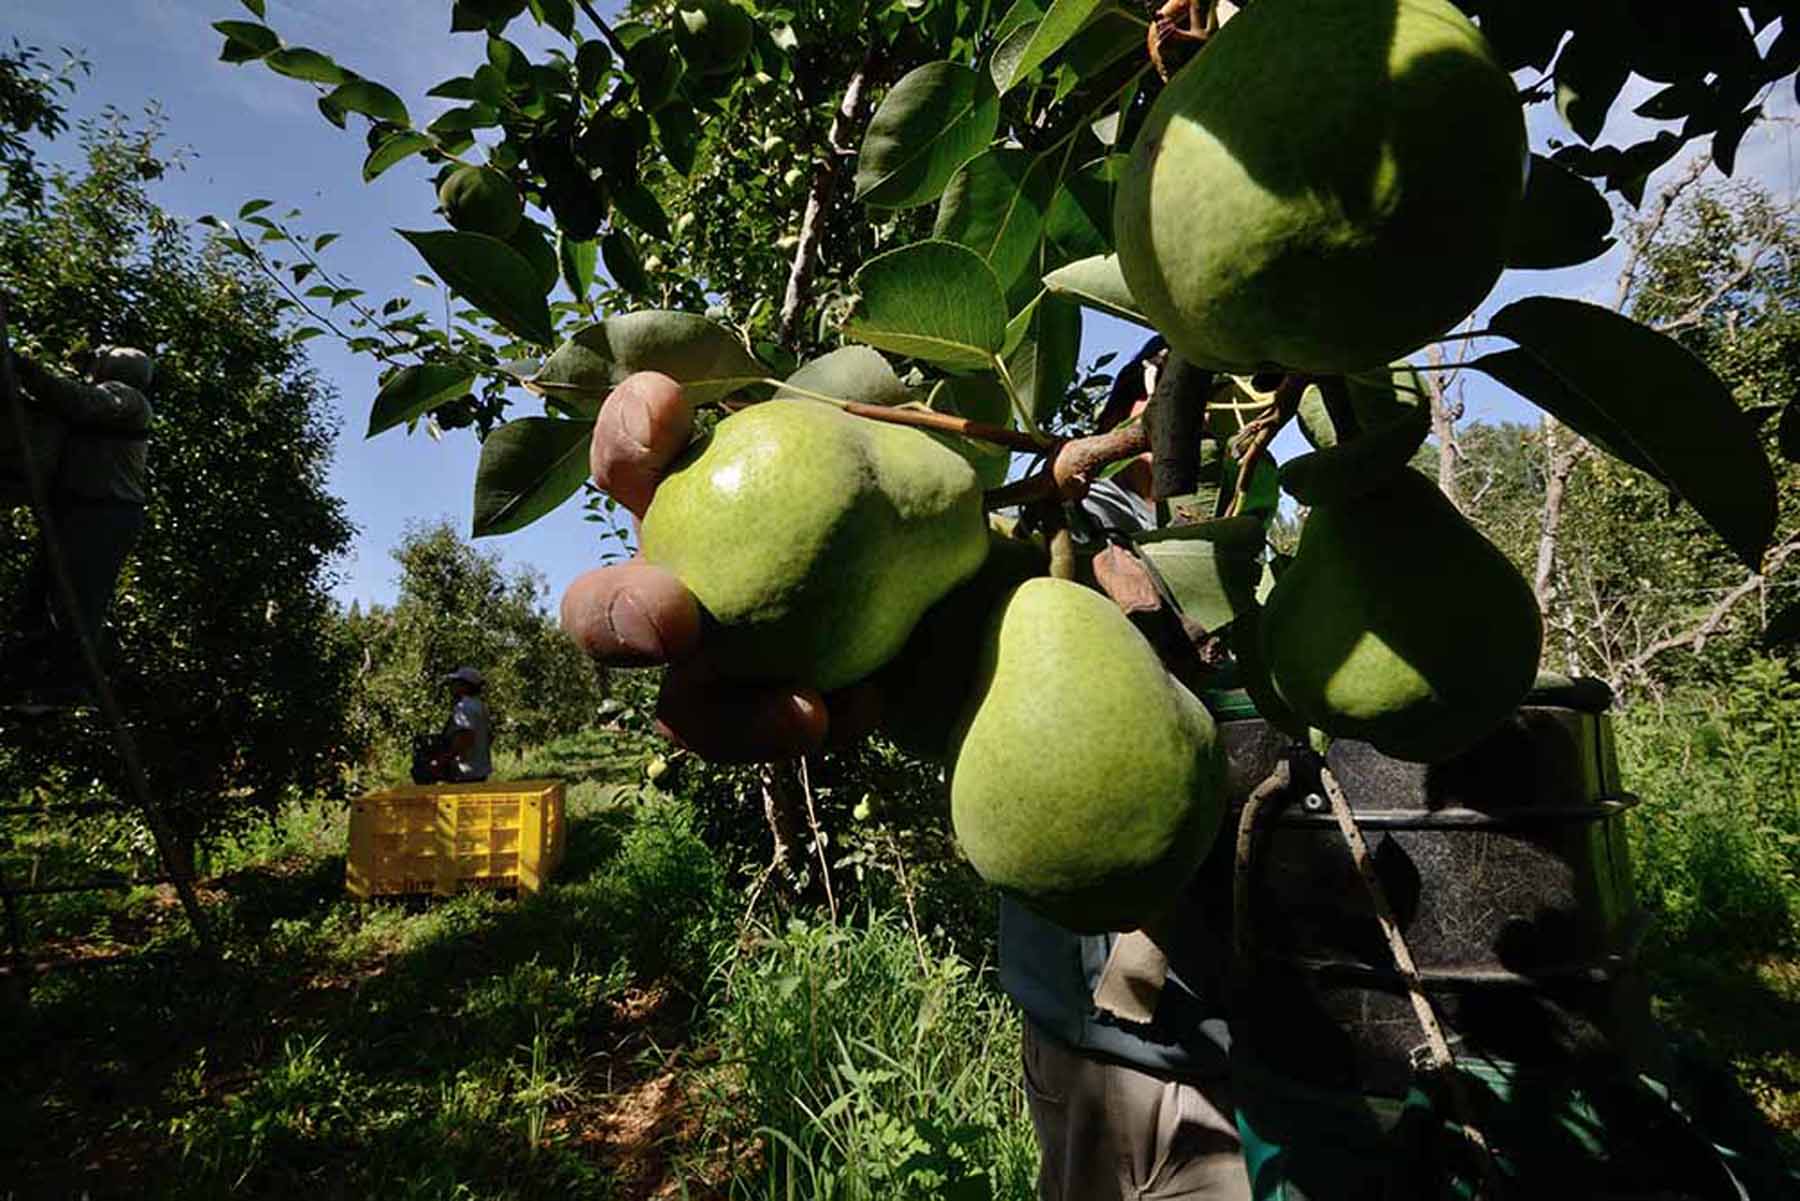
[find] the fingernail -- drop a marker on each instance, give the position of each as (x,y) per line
(632,627)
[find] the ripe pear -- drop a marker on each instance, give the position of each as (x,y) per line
(481,200)
(1327,185)
(1087,781)
(814,540)
(1400,625)
(925,687)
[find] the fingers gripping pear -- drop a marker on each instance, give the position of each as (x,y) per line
(1087,780)
(1326,186)
(1399,624)
(813,539)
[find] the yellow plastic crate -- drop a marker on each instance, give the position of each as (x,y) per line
(443,838)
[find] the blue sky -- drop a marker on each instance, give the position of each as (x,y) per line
(253,134)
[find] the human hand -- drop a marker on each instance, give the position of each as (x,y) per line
(637,614)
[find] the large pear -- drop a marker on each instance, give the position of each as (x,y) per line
(814,539)
(1328,185)
(1399,624)
(1087,779)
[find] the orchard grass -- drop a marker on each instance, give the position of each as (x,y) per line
(627,1033)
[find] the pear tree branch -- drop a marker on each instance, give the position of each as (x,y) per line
(1252,442)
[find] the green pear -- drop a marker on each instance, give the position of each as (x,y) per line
(1399,624)
(1087,781)
(481,200)
(814,540)
(1328,185)
(925,687)
(714,35)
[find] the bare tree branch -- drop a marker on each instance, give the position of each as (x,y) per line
(852,112)
(1696,635)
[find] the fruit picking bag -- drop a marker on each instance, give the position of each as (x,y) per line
(1608,1136)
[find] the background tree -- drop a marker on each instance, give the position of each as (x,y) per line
(456,607)
(1633,589)
(231,658)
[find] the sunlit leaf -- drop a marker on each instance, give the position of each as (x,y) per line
(413,391)
(490,275)
(528,468)
(933,300)
(934,120)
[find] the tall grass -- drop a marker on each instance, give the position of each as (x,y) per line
(868,1068)
(1716,842)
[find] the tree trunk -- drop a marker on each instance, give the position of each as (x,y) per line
(852,112)
(1443,427)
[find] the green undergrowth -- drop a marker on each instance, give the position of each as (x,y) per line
(613,1035)
(643,1025)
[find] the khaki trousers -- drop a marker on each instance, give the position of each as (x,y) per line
(1111,1133)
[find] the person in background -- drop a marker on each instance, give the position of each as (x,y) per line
(1121,1110)
(461,753)
(97,492)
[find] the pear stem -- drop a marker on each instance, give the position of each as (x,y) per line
(1261,431)
(945,423)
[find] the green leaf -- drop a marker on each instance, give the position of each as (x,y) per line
(1787,433)
(995,205)
(592,62)
(246,41)
(1043,343)
(934,120)
(1211,567)
(533,241)
(557,14)
(371,100)
(491,275)
(1647,399)
(933,300)
(1589,73)
(1064,20)
(1022,12)
(1564,220)
(1079,224)
(577,260)
(255,6)
(528,467)
(297,62)
(624,266)
(705,358)
(641,207)
(413,391)
(678,135)
(1097,283)
(849,373)
(393,149)
(656,69)
(252,207)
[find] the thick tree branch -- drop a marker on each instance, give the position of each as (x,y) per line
(1073,467)
(852,112)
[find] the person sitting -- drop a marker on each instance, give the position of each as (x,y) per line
(461,753)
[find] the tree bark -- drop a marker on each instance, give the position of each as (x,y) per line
(1443,427)
(853,111)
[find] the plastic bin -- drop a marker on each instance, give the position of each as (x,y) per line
(444,838)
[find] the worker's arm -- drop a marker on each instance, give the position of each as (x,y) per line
(107,406)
